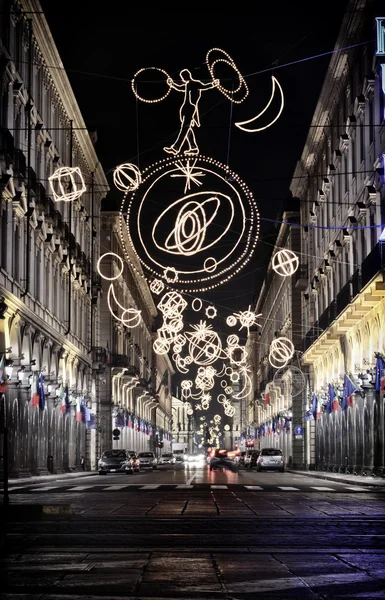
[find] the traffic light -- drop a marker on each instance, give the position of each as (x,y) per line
(116,434)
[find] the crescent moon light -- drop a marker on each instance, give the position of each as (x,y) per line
(241,124)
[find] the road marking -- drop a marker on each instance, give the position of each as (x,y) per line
(20,487)
(150,487)
(322,489)
(356,488)
(191,479)
(45,489)
(184,487)
(219,487)
(79,488)
(114,487)
(253,487)
(288,488)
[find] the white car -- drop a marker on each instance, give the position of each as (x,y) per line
(167,459)
(271,459)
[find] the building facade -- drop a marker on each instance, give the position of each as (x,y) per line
(135,382)
(340,181)
(280,392)
(49,248)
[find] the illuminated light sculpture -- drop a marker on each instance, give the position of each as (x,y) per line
(253,120)
(205,378)
(232,340)
(170,274)
(157,286)
(180,364)
(285,262)
(127,177)
(227,427)
(247,319)
(172,305)
(115,257)
(234,376)
(205,345)
(190,226)
(237,355)
(189,112)
(280,352)
(228,390)
(290,379)
(231,321)
(211,312)
(247,384)
(67,184)
(191,176)
(223,383)
(130,316)
(197,304)
(224,58)
(154,100)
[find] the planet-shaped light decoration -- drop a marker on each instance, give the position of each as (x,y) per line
(285,262)
(127,177)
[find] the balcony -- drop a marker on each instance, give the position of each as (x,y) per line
(100,357)
(120,361)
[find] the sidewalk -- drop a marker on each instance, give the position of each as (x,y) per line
(53,477)
(360,480)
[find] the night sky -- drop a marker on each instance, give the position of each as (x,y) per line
(102,50)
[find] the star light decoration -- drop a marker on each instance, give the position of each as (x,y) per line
(67,184)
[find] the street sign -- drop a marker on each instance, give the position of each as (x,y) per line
(298,430)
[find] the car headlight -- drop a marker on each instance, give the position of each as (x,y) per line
(102,463)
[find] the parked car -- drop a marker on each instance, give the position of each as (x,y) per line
(133,465)
(251,457)
(167,459)
(113,461)
(148,459)
(271,459)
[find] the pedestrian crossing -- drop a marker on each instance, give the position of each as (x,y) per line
(63,489)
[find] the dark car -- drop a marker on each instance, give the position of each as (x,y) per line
(271,459)
(252,459)
(221,460)
(113,461)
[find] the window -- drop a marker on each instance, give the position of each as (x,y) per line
(271,452)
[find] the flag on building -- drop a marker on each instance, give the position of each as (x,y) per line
(3,376)
(314,406)
(332,403)
(65,401)
(349,389)
(35,395)
(130,420)
(380,375)
(41,392)
(79,409)
(267,394)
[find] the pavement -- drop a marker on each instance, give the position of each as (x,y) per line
(342,477)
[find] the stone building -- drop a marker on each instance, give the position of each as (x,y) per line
(49,248)
(279,395)
(135,382)
(339,180)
